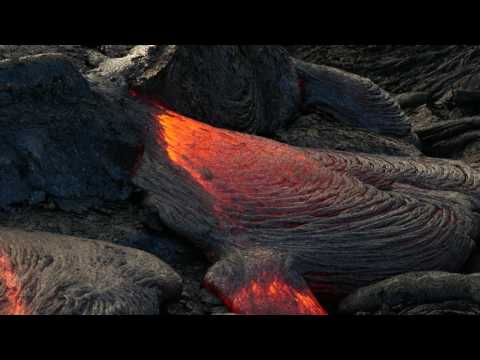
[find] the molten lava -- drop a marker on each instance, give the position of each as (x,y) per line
(9,280)
(239,169)
(270,294)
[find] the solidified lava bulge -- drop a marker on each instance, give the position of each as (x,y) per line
(11,284)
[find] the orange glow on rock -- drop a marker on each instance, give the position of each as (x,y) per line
(10,282)
(183,146)
(240,169)
(272,295)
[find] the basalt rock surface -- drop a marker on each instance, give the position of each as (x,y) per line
(442,80)
(351,99)
(318,130)
(114,51)
(452,138)
(45,274)
(253,89)
(61,139)
(422,293)
(83,58)
(434,69)
(247,88)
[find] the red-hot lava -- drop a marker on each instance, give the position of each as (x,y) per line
(239,170)
(270,294)
(9,280)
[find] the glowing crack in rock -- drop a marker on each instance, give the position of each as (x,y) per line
(11,284)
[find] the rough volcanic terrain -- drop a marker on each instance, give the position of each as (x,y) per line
(127,224)
(436,91)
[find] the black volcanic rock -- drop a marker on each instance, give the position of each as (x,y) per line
(319,131)
(84,58)
(115,51)
(453,138)
(473,264)
(63,140)
(351,99)
(442,80)
(435,69)
(412,99)
(417,293)
(247,88)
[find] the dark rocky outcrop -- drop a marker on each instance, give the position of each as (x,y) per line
(434,69)
(247,88)
(351,99)
(63,140)
(438,86)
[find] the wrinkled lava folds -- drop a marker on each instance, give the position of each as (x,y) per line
(343,219)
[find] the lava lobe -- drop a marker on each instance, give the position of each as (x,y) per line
(336,220)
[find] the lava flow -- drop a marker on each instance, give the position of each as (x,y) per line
(9,280)
(323,210)
(238,169)
(272,295)
(268,294)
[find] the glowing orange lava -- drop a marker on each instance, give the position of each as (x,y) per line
(187,144)
(240,169)
(12,288)
(272,295)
